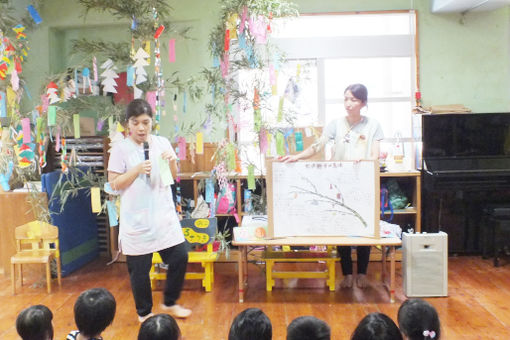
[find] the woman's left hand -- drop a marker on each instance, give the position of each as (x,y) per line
(169,155)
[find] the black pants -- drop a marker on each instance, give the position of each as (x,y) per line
(363,254)
(139,266)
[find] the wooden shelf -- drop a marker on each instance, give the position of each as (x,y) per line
(411,180)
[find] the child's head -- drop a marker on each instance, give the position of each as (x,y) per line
(418,319)
(34,323)
(159,327)
(376,326)
(308,328)
(251,324)
(94,311)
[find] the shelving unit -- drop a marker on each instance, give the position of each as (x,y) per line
(91,152)
(410,183)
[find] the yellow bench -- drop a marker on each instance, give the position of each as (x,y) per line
(328,257)
(196,232)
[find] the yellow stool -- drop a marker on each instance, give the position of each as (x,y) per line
(206,259)
(271,257)
(196,232)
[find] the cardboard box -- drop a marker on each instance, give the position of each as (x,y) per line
(251,233)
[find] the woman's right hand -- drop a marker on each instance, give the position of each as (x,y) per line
(288,158)
(145,167)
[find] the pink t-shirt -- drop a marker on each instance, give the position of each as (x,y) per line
(148,220)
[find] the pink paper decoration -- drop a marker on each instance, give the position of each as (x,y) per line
(171,50)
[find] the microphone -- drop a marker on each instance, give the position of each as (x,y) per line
(146,153)
(146,150)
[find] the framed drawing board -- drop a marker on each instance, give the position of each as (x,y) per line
(323,198)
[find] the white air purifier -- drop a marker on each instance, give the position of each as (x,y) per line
(425,264)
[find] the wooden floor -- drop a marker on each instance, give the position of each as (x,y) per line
(477,307)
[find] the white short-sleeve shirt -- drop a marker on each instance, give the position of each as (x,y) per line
(148,220)
(351,143)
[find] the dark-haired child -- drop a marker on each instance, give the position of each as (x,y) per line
(94,310)
(376,326)
(251,324)
(159,327)
(418,319)
(34,323)
(308,328)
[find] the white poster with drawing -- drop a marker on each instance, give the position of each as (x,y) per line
(324,198)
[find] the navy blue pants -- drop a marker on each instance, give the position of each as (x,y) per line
(139,266)
(363,254)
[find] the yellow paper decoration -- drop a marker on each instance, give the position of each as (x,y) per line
(200,143)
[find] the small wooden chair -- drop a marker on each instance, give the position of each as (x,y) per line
(197,232)
(36,242)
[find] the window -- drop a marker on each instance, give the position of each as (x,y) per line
(326,53)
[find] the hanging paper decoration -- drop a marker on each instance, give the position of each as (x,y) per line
(140,62)
(3,104)
(227,40)
(24,148)
(52,115)
(182,148)
(263,141)
(171,50)
(159,31)
(109,75)
(64,158)
(4,177)
(280,144)
(147,49)
(76,124)
(130,76)
(86,79)
(258,29)
(3,70)
(14,80)
(94,67)
(199,143)
(95,199)
(224,65)
(34,14)
(42,155)
(244,15)
(25,128)
(299,141)
(150,97)
(52,93)
(19,30)
(57,143)
(231,25)
(251,177)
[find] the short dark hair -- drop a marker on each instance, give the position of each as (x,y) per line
(159,327)
(34,323)
(138,107)
(308,328)
(94,310)
(376,326)
(359,91)
(416,316)
(251,324)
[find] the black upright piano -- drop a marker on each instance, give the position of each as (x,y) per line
(466,165)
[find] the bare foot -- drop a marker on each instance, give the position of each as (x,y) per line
(362,281)
(346,282)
